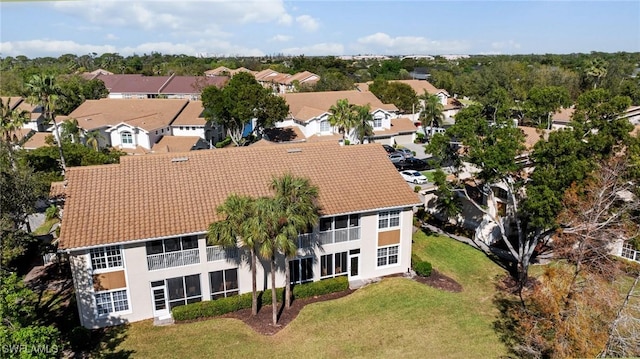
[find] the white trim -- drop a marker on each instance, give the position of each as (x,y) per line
(113,313)
(387,256)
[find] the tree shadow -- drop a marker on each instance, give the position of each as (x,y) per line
(505,323)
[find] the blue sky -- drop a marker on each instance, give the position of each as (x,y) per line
(267,27)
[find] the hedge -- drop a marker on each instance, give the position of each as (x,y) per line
(422,268)
(212,308)
(224,143)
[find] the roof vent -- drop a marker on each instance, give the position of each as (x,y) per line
(294,150)
(180,159)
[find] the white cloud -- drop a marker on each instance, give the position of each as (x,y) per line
(384,44)
(111,37)
(281,38)
(307,23)
(316,50)
(38,48)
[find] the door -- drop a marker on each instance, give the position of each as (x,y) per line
(354,264)
(159,298)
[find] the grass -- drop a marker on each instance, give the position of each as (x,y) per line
(45,227)
(430,175)
(396,318)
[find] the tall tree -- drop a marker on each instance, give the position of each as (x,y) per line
(12,119)
(543,102)
(241,101)
(233,232)
(342,117)
(298,202)
(43,91)
(397,93)
(70,130)
(431,112)
(364,122)
(92,139)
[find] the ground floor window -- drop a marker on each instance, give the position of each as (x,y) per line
(301,270)
(111,302)
(224,283)
(332,265)
(184,290)
(388,255)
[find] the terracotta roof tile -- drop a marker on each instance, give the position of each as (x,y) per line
(321,102)
(36,141)
(532,135)
(153,196)
(148,114)
(419,86)
(191,115)
(175,144)
(564,115)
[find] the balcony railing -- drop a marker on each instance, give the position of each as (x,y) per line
(218,253)
(173,259)
(630,253)
(339,235)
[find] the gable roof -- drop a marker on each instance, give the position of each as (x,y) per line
(191,115)
(175,144)
(148,114)
(419,86)
(223,70)
(139,84)
(36,141)
(563,115)
(146,197)
(307,105)
(192,84)
(13,101)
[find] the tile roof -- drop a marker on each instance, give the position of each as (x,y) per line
(147,197)
(564,115)
(222,70)
(191,115)
(175,144)
(192,84)
(139,84)
(36,141)
(417,85)
(532,135)
(284,134)
(148,114)
(57,189)
(301,103)
(13,101)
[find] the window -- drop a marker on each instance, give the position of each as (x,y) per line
(301,270)
(388,255)
(184,290)
(325,126)
(332,265)
(181,128)
(172,245)
(339,229)
(111,302)
(126,138)
(388,219)
(224,283)
(106,257)
(377,122)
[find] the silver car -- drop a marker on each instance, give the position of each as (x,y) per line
(396,157)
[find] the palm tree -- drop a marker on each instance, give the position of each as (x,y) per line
(70,129)
(92,139)
(430,112)
(11,120)
(43,91)
(363,127)
(597,69)
(342,116)
(233,231)
(297,200)
(264,228)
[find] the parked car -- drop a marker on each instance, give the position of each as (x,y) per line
(412,163)
(413,177)
(389,149)
(406,152)
(396,157)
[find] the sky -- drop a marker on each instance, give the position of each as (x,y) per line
(215,28)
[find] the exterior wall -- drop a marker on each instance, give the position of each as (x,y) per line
(402,139)
(138,277)
(154,136)
(188,131)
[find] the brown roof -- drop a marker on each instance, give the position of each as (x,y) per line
(147,197)
(13,101)
(222,70)
(146,114)
(191,115)
(307,105)
(192,84)
(419,86)
(57,189)
(265,75)
(36,141)
(175,144)
(398,125)
(284,134)
(532,135)
(564,115)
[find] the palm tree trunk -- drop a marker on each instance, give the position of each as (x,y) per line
(254,286)
(63,164)
(274,297)
(287,278)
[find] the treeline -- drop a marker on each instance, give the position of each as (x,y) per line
(474,77)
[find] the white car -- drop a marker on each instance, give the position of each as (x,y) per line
(413,177)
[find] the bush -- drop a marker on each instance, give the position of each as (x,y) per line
(224,143)
(422,268)
(417,189)
(212,308)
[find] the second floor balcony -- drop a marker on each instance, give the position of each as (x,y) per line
(173,259)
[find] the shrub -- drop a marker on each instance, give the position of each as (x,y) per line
(422,268)
(417,189)
(212,308)
(347,142)
(224,142)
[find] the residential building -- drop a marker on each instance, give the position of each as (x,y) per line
(137,248)
(36,120)
(136,86)
(309,114)
(225,71)
(191,122)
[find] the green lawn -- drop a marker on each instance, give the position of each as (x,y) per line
(45,227)
(394,318)
(430,175)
